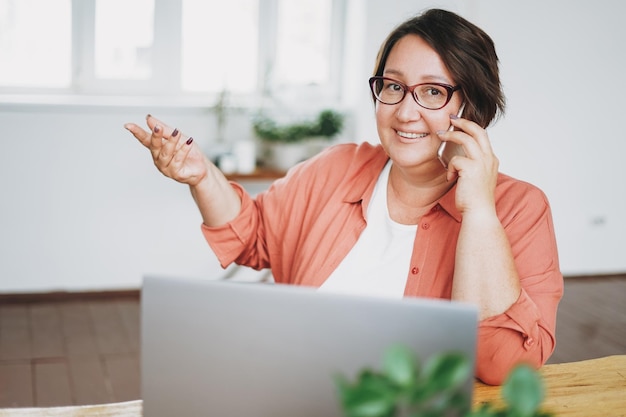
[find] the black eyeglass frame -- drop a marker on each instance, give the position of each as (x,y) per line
(449,88)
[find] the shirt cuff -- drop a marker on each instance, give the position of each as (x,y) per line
(226,241)
(523,316)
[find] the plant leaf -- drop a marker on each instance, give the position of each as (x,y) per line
(447,372)
(485,410)
(399,365)
(523,391)
(372,395)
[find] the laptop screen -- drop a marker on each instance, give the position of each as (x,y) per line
(218,348)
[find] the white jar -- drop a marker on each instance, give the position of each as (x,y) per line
(245,153)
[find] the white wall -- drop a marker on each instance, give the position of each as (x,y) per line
(564,75)
(559,59)
(82,207)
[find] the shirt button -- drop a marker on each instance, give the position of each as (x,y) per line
(415,270)
(426,226)
(530,341)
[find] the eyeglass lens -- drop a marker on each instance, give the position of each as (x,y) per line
(431,96)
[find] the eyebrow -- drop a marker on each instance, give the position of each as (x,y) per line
(427,77)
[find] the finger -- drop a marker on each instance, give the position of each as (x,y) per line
(153,122)
(452,172)
(140,134)
(474,140)
(182,153)
(461,139)
(157,140)
(176,139)
(170,146)
(473,129)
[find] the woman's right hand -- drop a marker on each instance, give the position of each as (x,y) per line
(177,157)
(174,154)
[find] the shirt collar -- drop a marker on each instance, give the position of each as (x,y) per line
(361,190)
(448,203)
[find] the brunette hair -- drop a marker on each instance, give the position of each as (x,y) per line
(468,53)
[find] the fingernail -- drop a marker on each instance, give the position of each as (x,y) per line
(174,133)
(454,116)
(157,129)
(148,116)
(189,141)
(440,132)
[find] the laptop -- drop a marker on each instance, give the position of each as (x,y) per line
(235,349)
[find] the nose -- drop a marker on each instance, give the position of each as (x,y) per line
(408,110)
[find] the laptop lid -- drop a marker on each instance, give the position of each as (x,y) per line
(233,349)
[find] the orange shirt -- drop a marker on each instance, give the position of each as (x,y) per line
(306,223)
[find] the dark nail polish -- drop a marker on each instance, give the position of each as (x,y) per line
(157,129)
(189,141)
(174,133)
(148,116)
(454,116)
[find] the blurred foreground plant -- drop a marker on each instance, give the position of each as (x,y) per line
(405,388)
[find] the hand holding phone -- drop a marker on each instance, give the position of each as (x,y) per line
(449,149)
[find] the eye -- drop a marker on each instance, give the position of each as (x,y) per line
(393,87)
(433,91)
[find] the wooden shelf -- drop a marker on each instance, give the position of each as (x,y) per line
(261,174)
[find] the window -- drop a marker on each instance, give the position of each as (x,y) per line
(35,47)
(219,50)
(303,47)
(123,40)
(168,47)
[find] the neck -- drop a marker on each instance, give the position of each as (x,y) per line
(410,196)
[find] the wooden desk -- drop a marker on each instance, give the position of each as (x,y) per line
(125,409)
(593,388)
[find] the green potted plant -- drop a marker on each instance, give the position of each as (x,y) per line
(405,388)
(291,143)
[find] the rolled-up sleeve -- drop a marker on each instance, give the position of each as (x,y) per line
(242,239)
(520,335)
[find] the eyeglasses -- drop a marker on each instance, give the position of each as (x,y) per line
(432,96)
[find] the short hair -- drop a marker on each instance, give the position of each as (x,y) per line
(468,53)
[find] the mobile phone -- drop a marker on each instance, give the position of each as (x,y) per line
(449,149)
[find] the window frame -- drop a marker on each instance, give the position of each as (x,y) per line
(165,80)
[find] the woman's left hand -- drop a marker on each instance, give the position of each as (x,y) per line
(477,171)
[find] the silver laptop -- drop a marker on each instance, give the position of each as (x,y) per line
(235,349)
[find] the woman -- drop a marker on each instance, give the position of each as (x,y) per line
(391,219)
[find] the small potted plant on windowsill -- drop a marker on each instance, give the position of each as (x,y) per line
(405,388)
(289,144)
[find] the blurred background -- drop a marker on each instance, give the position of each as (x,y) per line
(82,207)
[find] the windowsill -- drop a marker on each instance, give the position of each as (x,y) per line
(73,101)
(199,102)
(260,174)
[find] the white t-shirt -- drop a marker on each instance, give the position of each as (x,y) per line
(379,261)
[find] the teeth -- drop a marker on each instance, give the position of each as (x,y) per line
(412,135)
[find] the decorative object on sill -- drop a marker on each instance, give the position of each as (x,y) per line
(245,154)
(227,163)
(240,159)
(220,109)
(232,157)
(218,145)
(406,388)
(287,144)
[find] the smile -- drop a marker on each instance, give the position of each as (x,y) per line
(408,135)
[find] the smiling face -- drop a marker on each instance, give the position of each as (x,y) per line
(407,131)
